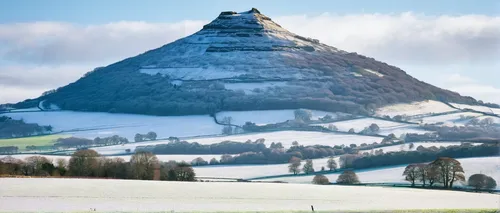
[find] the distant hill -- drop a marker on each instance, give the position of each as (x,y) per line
(243,61)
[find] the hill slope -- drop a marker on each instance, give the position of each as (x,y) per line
(243,61)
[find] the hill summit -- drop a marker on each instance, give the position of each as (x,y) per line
(243,61)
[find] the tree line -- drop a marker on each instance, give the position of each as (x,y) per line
(11,128)
(89,164)
(443,170)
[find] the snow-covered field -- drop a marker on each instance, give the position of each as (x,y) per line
(98,124)
(487,165)
(285,137)
(72,195)
(164,158)
(406,146)
(449,119)
(416,108)
(478,108)
(386,127)
(262,117)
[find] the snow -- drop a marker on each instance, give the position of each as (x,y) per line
(285,137)
(164,158)
(406,146)
(486,165)
(250,88)
(262,117)
(449,119)
(478,108)
(374,72)
(100,124)
(415,108)
(386,127)
(78,195)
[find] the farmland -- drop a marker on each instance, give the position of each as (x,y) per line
(56,195)
(46,140)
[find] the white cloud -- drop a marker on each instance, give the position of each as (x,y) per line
(422,45)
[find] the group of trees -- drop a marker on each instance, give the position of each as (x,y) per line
(11,128)
(8,149)
(348,177)
(88,163)
(74,142)
(150,136)
(446,171)
(295,163)
(468,132)
(423,155)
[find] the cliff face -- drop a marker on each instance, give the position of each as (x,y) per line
(244,61)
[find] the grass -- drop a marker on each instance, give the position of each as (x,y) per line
(45,140)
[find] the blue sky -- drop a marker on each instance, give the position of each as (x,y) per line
(99,11)
(453,44)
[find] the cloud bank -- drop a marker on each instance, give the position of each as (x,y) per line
(442,50)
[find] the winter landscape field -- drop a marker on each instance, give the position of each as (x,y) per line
(80,195)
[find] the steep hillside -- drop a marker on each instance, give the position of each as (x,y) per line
(243,61)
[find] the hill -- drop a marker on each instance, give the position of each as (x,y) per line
(242,61)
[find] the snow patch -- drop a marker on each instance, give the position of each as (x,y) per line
(415,108)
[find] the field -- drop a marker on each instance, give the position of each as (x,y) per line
(478,108)
(406,146)
(285,137)
(416,108)
(386,127)
(488,165)
(58,195)
(262,117)
(97,124)
(29,141)
(449,119)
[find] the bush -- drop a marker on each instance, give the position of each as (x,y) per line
(481,181)
(320,180)
(348,177)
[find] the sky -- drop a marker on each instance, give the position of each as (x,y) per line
(453,44)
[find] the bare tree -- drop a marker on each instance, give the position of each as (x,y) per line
(331,164)
(450,171)
(481,181)
(432,174)
(320,180)
(34,165)
(143,165)
(302,114)
(308,166)
(226,158)
(214,161)
(347,160)
(294,166)
(348,177)
(84,163)
(411,173)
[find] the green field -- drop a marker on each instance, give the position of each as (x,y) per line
(46,140)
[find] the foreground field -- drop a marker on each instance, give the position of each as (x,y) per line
(52,195)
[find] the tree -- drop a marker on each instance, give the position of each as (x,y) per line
(227,120)
(411,173)
(302,114)
(411,146)
(294,166)
(351,130)
(184,172)
(84,163)
(138,138)
(151,135)
(295,143)
(449,171)
(320,180)
(481,181)
(348,177)
(199,162)
(374,128)
(347,160)
(34,166)
(143,165)
(432,174)
(331,164)
(227,130)
(226,158)
(308,166)
(214,161)
(332,127)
